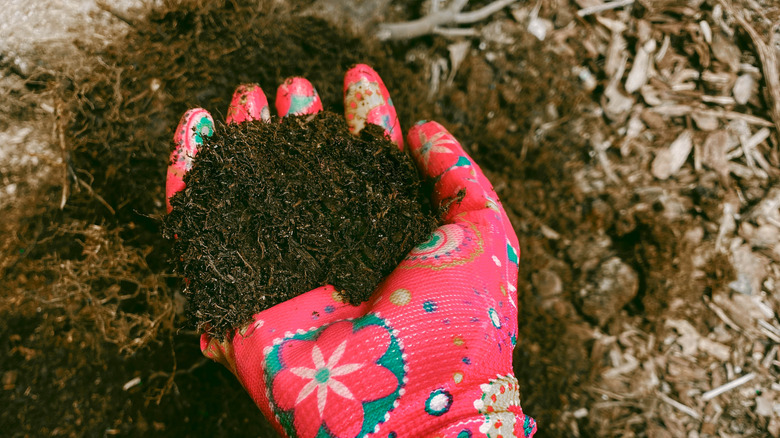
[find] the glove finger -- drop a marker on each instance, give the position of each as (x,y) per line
(458,182)
(366,100)
(194,125)
(248,103)
(297,96)
(462,189)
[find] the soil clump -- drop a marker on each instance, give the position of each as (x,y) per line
(272,210)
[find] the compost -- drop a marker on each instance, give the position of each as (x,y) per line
(272,210)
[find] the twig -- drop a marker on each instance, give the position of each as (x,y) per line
(601,152)
(60,133)
(743,133)
(482,13)
(767,361)
(679,406)
(610,394)
(722,315)
(422,26)
(584,12)
(170,381)
(245,262)
(728,386)
(756,139)
(437,19)
(732,115)
(453,32)
(769,330)
(219,274)
(201,362)
(100,199)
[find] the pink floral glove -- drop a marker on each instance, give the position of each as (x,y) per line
(431,353)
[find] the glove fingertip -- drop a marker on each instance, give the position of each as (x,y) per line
(248,103)
(195,125)
(367,100)
(297,96)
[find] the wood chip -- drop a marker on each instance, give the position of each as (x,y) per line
(614,26)
(688,75)
(720,100)
(726,51)
(679,406)
(756,139)
(615,51)
(717,81)
(458,52)
(727,224)
(741,171)
(743,89)
(616,105)
(659,56)
(751,270)
(673,110)
(669,160)
(653,120)
(769,330)
(651,95)
(720,313)
(539,27)
(639,71)
(706,31)
(714,151)
(688,338)
(9,379)
(764,404)
(714,349)
(705,122)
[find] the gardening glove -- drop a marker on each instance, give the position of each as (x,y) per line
(430,354)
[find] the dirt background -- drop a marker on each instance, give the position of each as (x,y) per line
(635,148)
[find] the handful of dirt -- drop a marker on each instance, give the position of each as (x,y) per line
(272,210)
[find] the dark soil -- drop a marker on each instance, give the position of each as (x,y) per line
(272,210)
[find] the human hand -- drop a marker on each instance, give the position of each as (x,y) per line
(430,354)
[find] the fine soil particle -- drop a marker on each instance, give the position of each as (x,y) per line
(272,210)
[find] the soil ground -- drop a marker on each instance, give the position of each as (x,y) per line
(635,150)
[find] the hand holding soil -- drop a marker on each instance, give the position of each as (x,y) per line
(430,351)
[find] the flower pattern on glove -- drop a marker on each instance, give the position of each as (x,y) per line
(439,143)
(341,380)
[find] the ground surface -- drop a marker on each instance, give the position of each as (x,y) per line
(635,149)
